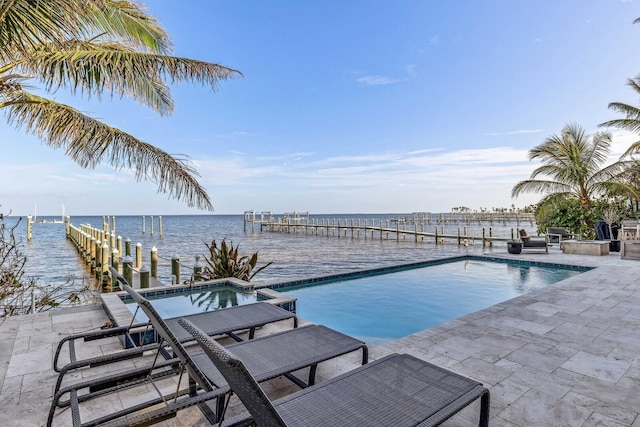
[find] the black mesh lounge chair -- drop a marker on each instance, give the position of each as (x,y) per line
(268,357)
(538,243)
(397,390)
(227,321)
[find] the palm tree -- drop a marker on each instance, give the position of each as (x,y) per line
(573,164)
(96,48)
(630,122)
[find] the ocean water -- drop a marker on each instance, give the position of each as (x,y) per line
(51,258)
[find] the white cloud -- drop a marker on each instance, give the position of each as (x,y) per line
(287,156)
(378,80)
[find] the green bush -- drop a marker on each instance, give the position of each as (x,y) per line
(570,214)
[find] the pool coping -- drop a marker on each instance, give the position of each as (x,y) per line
(415,264)
(113,303)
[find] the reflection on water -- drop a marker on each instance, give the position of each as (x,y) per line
(196,301)
(215,299)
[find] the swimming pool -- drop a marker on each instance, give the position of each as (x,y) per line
(381,307)
(188,301)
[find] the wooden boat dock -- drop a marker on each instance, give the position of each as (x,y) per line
(418,226)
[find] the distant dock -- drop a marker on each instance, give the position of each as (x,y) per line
(417,226)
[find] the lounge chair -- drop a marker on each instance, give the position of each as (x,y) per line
(555,235)
(538,243)
(227,321)
(268,357)
(398,390)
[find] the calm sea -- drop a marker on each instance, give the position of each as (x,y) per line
(51,258)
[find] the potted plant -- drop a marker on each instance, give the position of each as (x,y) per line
(613,215)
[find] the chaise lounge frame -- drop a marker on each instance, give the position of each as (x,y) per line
(398,390)
(228,321)
(268,357)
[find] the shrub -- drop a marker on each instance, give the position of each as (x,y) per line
(226,261)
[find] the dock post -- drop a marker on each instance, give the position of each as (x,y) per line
(151,232)
(175,269)
(94,246)
(29,225)
(87,248)
(154,262)
(119,244)
(115,259)
(104,266)
(127,269)
(112,241)
(483,237)
(127,246)
(138,255)
(490,236)
(144,277)
(143,224)
(160,225)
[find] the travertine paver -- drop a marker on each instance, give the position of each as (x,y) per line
(565,355)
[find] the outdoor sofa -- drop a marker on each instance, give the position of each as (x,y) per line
(536,243)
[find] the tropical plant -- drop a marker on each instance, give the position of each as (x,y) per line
(96,48)
(573,163)
(570,214)
(226,261)
(630,122)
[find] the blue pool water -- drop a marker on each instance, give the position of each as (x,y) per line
(191,302)
(379,308)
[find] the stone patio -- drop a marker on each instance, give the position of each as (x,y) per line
(566,355)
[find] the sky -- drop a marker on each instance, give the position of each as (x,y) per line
(352,106)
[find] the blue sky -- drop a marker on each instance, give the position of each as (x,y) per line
(353,106)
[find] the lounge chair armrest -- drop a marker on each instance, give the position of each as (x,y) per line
(89,336)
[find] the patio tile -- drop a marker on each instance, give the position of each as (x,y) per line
(606,369)
(604,413)
(537,409)
(530,355)
(563,355)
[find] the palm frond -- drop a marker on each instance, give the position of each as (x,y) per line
(27,23)
(90,142)
(128,21)
(93,67)
(539,186)
(24,25)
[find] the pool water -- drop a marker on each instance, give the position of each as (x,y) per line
(379,308)
(191,302)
